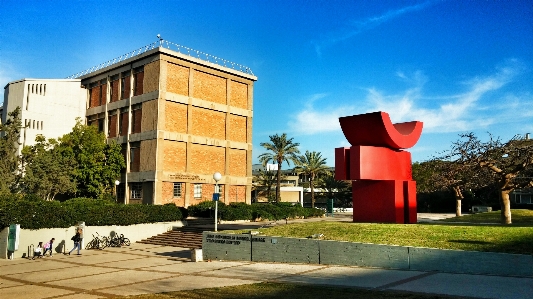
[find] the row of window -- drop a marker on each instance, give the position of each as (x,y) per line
(98,90)
(122,116)
(136,190)
(33,124)
(197,190)
(39,89)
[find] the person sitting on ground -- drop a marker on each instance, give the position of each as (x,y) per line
(38,251)
(48,246)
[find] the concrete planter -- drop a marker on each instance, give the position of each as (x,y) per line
(256,248)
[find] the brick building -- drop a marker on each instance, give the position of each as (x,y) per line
(179,119)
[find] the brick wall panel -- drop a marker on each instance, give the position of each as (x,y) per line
(177,79)
(207,159)
(95,97)
(209,87)
(239,94)
(208,123)
(151,77)
(174,156)
(175,117)
(167,194)
(237,162)
(237,128)
(148,155)
(149,116)
(237,194)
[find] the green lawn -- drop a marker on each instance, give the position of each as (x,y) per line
(479,232)
(282,290)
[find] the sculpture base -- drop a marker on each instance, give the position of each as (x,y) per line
(389,201)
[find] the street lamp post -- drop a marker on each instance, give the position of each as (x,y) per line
(216,176)
(117,182)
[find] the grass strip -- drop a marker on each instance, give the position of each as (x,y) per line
(284,290)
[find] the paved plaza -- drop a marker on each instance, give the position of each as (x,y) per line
(141,269)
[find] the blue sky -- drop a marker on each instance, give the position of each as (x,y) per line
(458,66)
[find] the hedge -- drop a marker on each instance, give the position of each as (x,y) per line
(36,214)
(253,212)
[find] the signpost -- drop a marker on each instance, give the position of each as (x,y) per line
(216,176)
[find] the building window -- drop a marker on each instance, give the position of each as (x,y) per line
(100,125)
(112,125)
(138,79)
(125,85)
(136,115)
(177,190)
(113,90)
(136,190)
(103,92)
(197,190)
(123,122)
(135,157)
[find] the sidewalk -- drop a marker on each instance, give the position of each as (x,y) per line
(141,269)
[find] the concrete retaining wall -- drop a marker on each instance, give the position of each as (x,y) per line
(62,236)
(255,248)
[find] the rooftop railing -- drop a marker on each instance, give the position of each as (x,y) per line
(172,46)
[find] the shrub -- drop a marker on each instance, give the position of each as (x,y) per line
(31,214)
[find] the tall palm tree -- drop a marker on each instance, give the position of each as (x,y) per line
(311,164)
(280,149)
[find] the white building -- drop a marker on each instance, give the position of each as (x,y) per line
(48,106)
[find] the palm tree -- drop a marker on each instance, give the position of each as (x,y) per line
(281,149)
(311,164)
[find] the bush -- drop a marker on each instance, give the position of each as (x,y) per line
(31,214)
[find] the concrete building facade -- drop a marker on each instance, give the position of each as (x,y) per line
(48,107)
(179,119)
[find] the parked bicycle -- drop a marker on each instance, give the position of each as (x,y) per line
(97,242)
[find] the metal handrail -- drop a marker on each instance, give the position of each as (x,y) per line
(169,45)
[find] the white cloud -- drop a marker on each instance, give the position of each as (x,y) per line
(358,26)
(311,121)
(459,112)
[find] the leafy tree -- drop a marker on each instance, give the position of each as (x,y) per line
(311,164)
(339,190)
(98,163)
(281,149)
(506,163)
(10,160)
(47,170)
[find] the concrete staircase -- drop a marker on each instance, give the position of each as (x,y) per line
(189,236)
(186,237)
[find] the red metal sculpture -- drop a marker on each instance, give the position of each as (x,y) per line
(382,186)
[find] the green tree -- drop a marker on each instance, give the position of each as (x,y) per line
(341,191)
(313,165)
(98,163)
(10,173)
(48,171)
(280,150)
